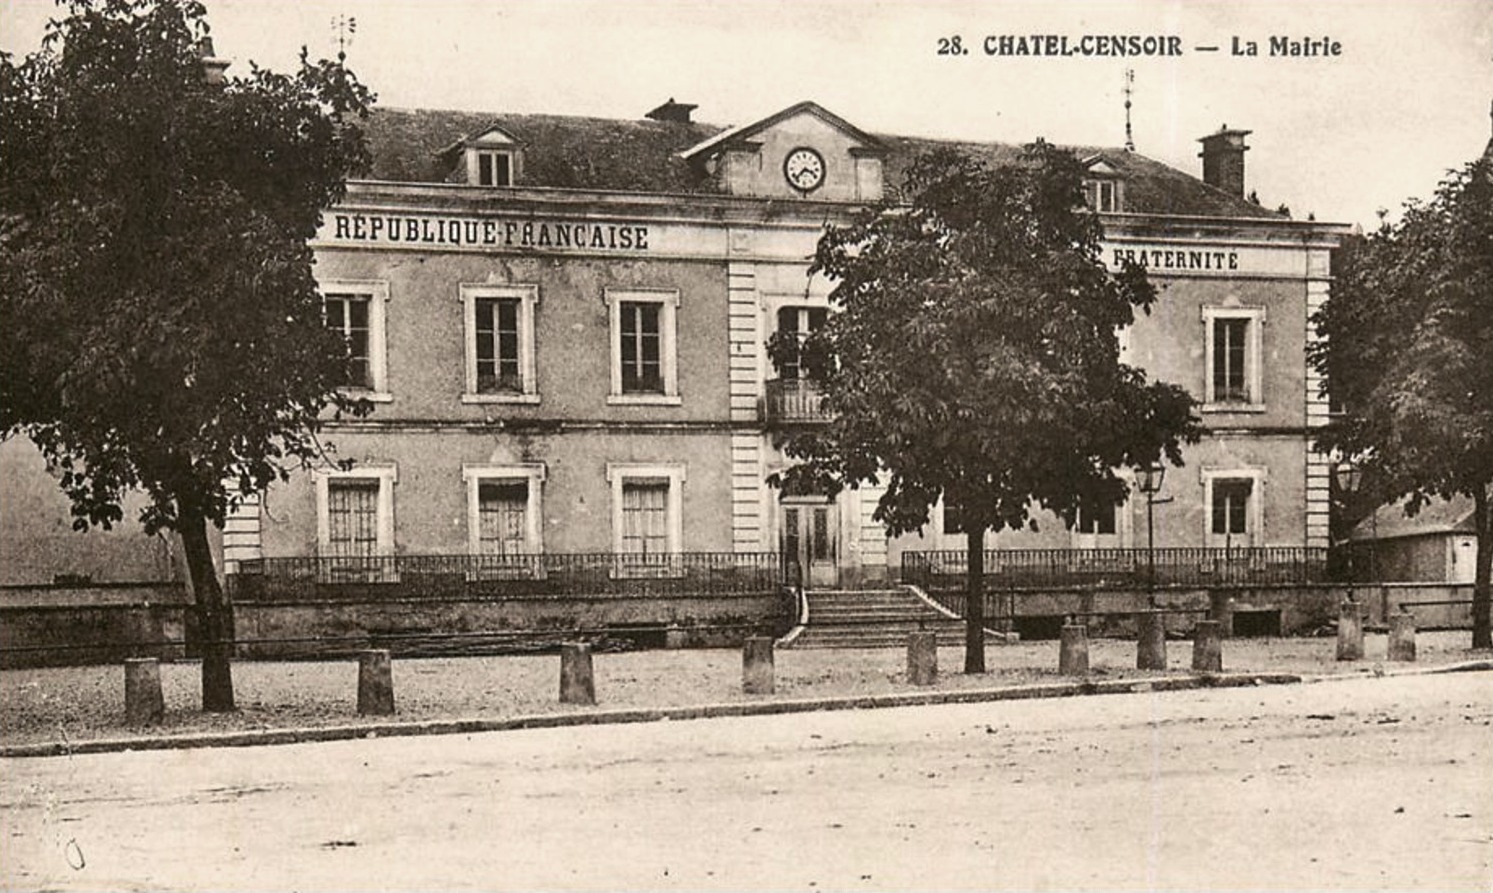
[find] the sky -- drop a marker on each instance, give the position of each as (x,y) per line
(1340,136)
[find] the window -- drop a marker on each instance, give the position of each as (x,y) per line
(645,516)
(642,367)
(494,157)
(799,322)
(356,310)
(500,343)
(348,314)
(355,522)
(1233,380)
(352,518)
(1098,520)
(647,527)
(494,168)
(953,523)
(1102,195)
(505,526)
(1234,507)
(643,344)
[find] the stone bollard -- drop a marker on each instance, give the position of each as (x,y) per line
(1207,647)
(143,704)
(1073,650)
(375,683)
(577,684)
(1150,644)
(673,636)
(1402,636)
(1350,632)
(756,666)
(922,658)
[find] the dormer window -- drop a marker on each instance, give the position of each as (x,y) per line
(494,168)
(1102,195)
(493,158)
(1102,186)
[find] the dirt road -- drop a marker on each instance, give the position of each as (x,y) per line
(1362,784)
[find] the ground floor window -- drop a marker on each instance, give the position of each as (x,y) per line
(1234,510)
(647,522)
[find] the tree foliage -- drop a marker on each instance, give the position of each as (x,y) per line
(1408,331)
(161,327)
(975,356)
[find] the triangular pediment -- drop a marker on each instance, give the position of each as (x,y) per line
(744,135)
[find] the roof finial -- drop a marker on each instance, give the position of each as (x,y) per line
(345,26)
(1129,82)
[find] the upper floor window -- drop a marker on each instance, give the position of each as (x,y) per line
(796,323)
(1233,345)
(644,366)
(356,310)
(500,343)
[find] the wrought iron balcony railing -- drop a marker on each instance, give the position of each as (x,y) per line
(793,402)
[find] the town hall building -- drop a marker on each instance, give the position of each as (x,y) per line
(562,325)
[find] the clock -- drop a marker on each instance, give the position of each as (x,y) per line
(804,169)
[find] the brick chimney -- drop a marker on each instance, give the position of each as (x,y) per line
(1223,159)
(671,111)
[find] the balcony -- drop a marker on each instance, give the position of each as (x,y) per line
(793,402)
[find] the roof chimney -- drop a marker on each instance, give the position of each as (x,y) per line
(213,68)
(673,112)
(1223,159)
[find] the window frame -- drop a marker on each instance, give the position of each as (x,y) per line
(667,300)
(1254,512)
(1254,317)
(377,293)
(528,298)
(386,476)
(618,474)
(533,475)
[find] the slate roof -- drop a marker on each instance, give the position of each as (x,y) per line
(642,155)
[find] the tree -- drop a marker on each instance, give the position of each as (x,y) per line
(1407,334)
(162,330)
(975,358)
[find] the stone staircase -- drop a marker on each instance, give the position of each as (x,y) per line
(874,618)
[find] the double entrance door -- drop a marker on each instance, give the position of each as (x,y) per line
(809,539)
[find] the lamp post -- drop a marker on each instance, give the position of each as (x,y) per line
(1150,478)
(1348,476)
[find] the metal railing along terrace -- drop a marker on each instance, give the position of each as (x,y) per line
(1120,568)
(677,574)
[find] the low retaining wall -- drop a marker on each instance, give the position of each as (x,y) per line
(466,626)
(69,635)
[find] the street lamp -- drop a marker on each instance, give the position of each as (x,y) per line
(1348,477)
(1150,478)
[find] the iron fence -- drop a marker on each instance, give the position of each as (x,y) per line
(678,574)
(1014,569)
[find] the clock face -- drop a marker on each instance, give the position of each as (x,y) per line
(804,169)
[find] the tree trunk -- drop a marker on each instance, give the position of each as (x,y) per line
(215,618)
(1482,587)
(974,604)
